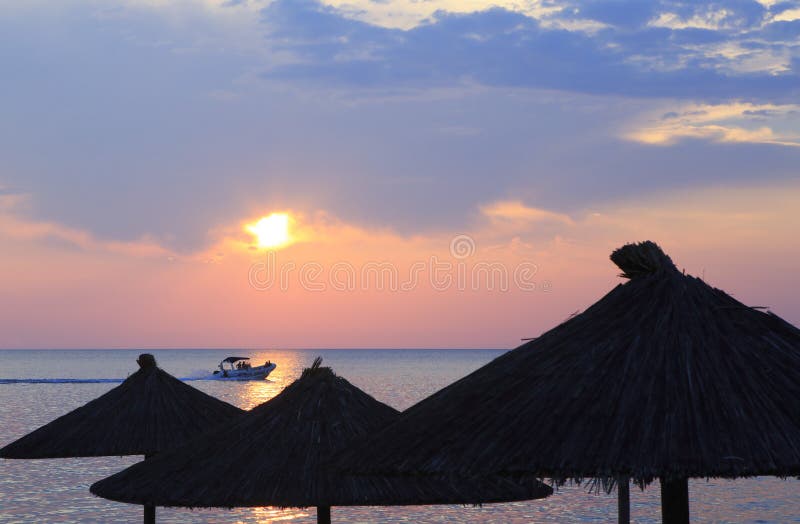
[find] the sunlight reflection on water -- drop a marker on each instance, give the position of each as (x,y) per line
(57,490)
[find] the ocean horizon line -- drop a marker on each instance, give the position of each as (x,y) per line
(361,348)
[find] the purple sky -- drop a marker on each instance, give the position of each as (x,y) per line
(136,134)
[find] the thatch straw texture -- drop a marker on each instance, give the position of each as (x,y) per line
(665,376)
(149,412)
(278,453)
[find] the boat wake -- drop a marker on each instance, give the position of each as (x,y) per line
(81,380)
(194,375)
(59,380)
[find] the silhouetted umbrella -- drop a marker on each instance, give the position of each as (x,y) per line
(664,377)
(149,412)
(277,455)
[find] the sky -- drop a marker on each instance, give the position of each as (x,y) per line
(453,173)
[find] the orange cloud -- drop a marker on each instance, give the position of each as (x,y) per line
(515,210)
(12,225)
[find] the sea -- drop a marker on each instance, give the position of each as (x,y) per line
(36,386)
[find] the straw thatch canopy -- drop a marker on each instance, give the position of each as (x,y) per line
(665,376)
(149,412)
(278,453)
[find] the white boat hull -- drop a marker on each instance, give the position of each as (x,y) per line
(254,373)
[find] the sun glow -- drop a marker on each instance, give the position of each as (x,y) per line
(271,231)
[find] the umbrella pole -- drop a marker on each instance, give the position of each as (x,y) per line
(623,500)
(675,501)
(149,514)
(323,515)
(149,511)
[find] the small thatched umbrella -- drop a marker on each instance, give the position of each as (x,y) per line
(665,377)
(278,453)
(149,412)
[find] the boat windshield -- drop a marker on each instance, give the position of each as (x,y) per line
(235,363)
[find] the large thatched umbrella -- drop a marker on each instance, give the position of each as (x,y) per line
(664,377)
(149,412)
(277,456)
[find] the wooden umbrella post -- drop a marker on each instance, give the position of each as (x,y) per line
(149,511)
(675,501)
(323,515)
(623,500)
(149,514)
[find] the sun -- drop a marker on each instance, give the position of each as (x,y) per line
(271,231)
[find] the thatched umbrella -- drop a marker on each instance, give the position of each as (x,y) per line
(149,412)
(277,456)
(664,377)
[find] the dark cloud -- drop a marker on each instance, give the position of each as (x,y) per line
(502,48)
(625,14)
(780,31)
(115,127)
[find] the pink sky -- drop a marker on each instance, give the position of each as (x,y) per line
(63,288)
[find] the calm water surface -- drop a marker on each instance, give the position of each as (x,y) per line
(57,490)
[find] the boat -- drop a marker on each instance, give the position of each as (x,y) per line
(239,368)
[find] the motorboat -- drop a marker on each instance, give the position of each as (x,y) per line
(239,368)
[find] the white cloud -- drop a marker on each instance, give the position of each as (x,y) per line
(738,58)
(734,122)
(407,14)
(787,16)
(713,20)
(584,25)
